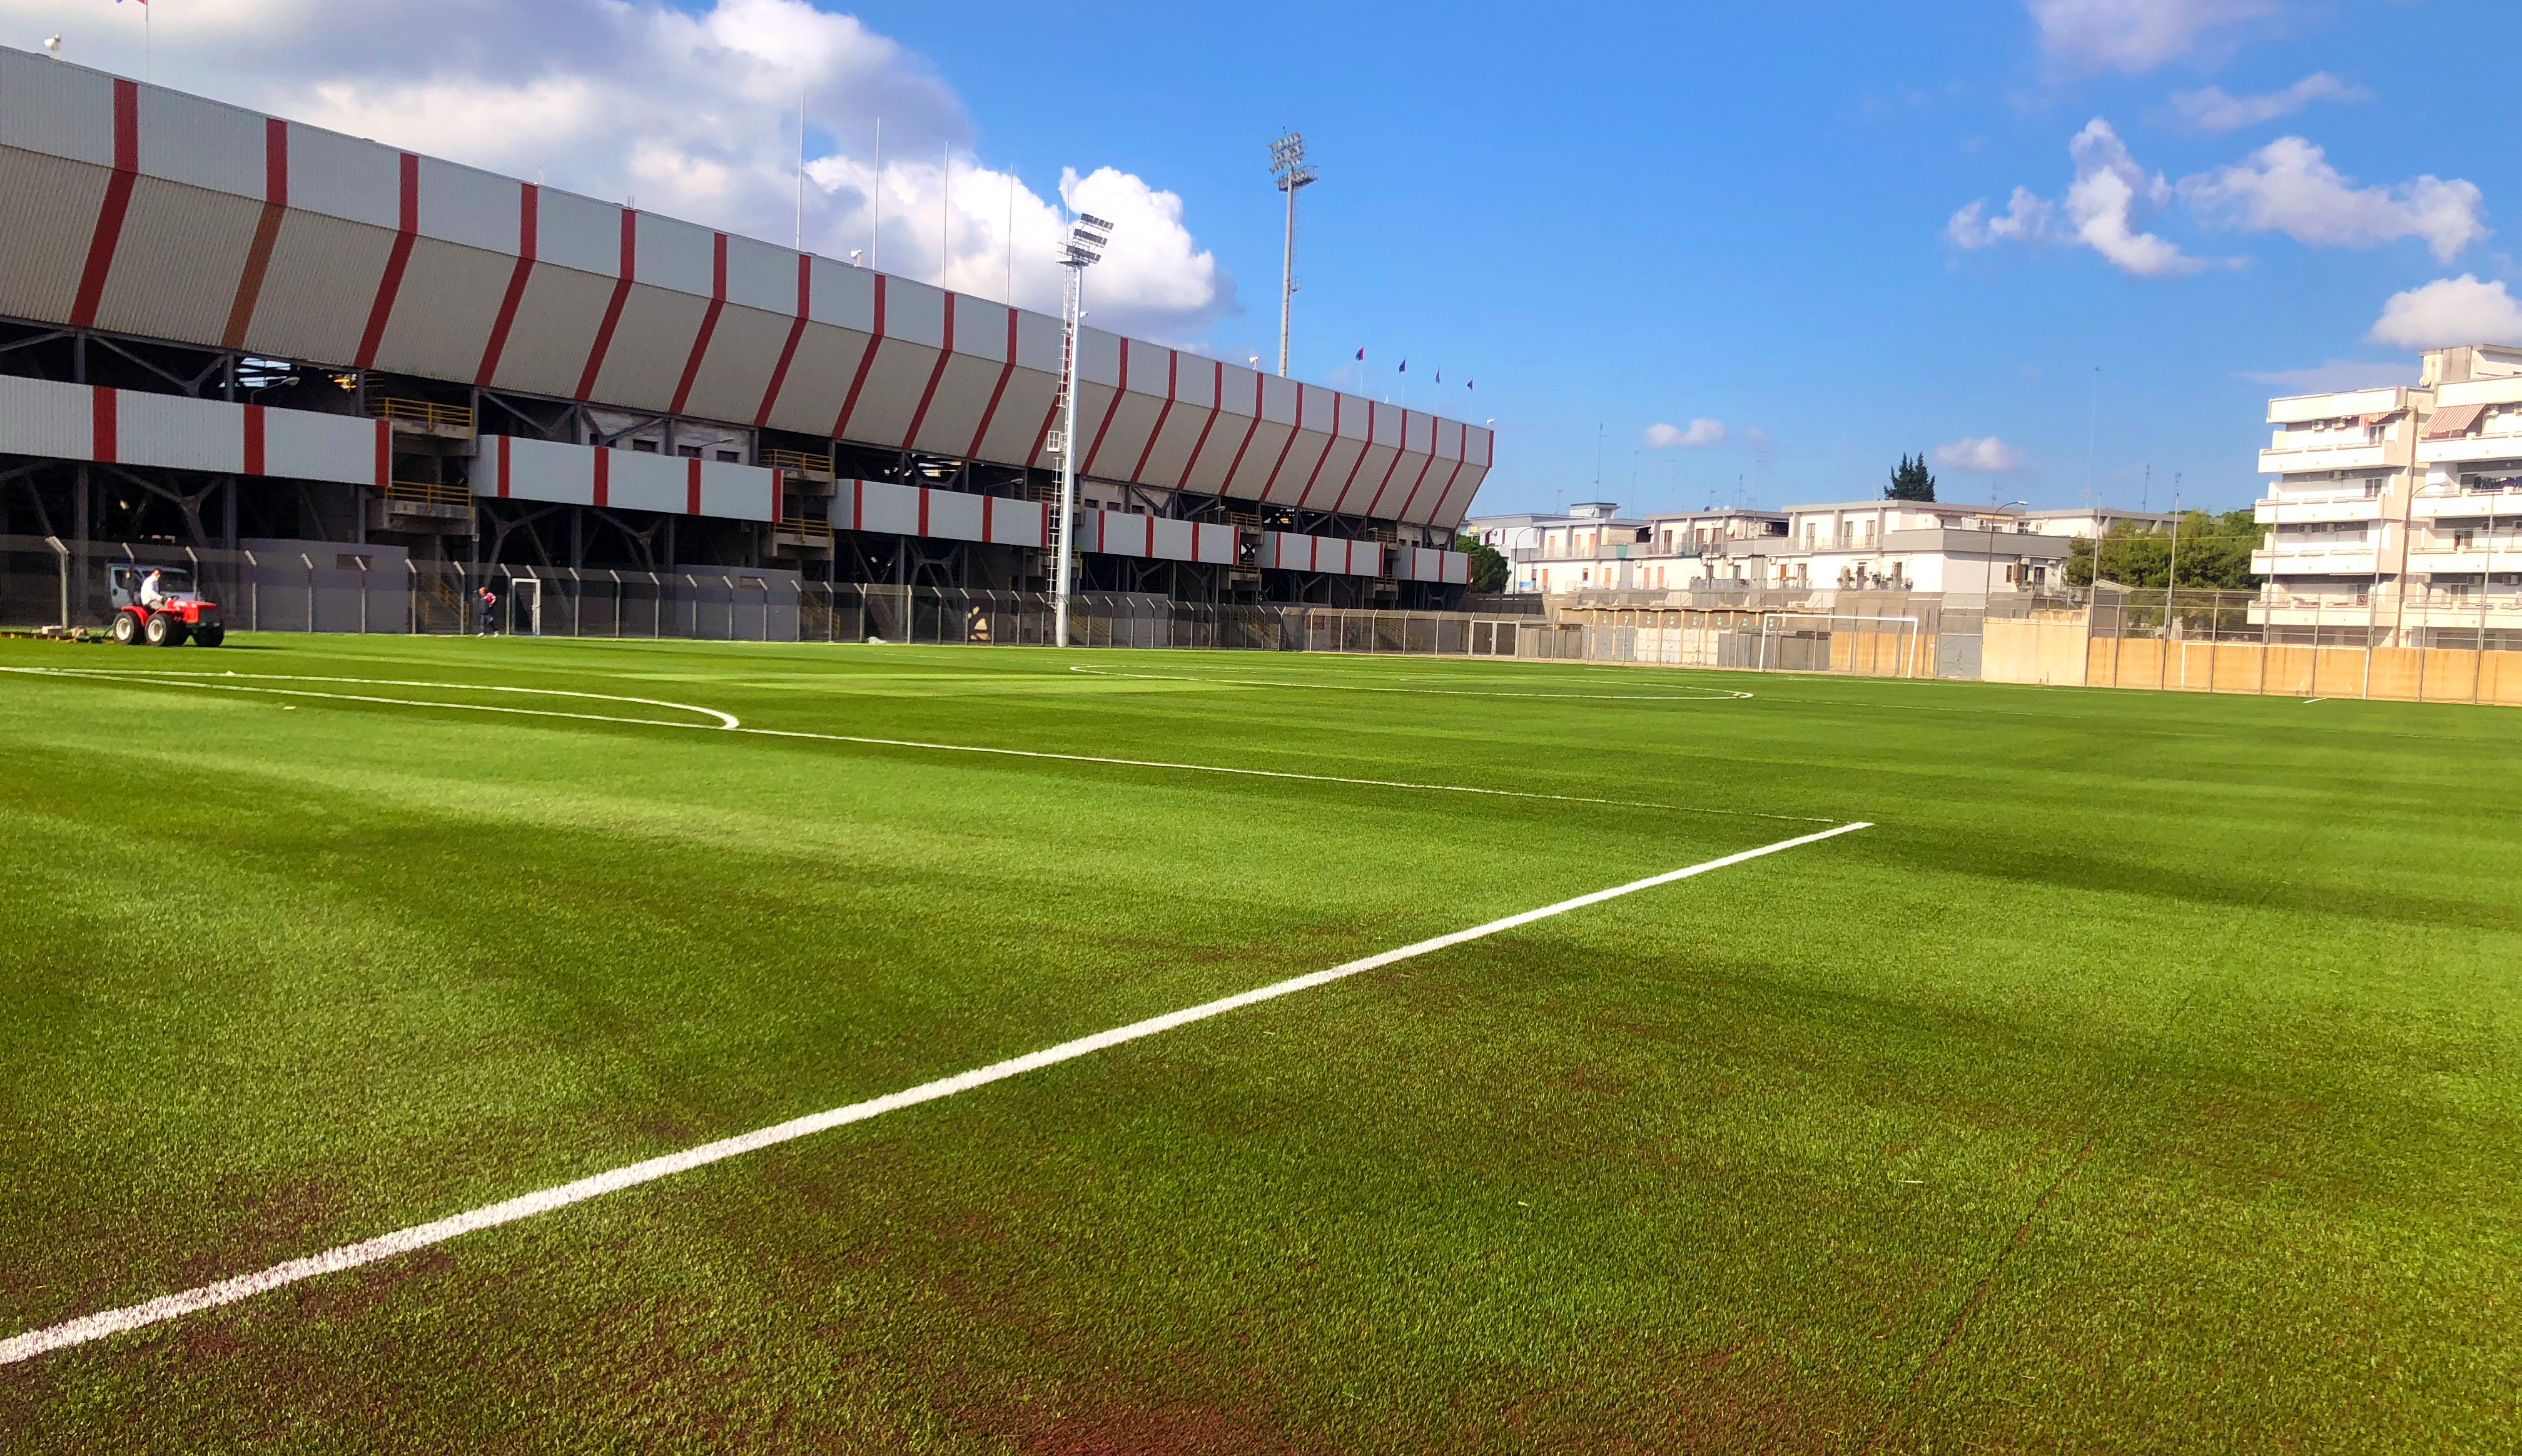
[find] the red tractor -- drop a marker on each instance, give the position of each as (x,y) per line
(158,606)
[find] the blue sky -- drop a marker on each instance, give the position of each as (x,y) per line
(1612,218)
(1628,215)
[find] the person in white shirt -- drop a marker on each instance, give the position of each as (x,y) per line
(153,593)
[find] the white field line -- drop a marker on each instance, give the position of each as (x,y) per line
(405,1241)
(234,682)
(728,723)
(2307,702)
(1710,696)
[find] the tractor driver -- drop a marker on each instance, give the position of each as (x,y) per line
(153,593)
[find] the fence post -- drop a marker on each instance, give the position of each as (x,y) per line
(363,594)
(310,589)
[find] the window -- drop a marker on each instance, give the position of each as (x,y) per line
(644,446)
(731,457)
(688,451)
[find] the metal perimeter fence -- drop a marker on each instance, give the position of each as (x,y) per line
(2183,640)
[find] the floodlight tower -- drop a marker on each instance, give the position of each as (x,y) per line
(1288,165)
(1081,250)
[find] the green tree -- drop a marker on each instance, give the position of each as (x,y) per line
(1911,482)
(1488,570)
(2215,551)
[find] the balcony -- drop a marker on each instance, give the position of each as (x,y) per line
(2466,506)
(2316,561)
(2505,445)
(2295,508)
(2453,561)
(422,417)
(2327,455)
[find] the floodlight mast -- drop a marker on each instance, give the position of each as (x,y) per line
(1288,165)
(1081,250)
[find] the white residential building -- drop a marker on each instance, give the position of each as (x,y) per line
(1913,546)
(2464,518)
(2094,522)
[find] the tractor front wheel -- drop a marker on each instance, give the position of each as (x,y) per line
(126,628)
(210,635)
(164,630)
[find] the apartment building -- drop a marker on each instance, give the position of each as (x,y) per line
(1913,546)
(2464,518)
(2094,522)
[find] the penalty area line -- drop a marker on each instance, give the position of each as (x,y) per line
(347,1256)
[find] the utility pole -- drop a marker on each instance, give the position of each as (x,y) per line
(1288,165)
(1081,250)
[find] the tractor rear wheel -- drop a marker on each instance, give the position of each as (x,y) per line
(126,628)
(210,635)
(164,630)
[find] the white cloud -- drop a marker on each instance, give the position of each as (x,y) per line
(1978,455)
(2288,186)
(1696,433)
(2212,110)
(2111,200)
(2448,311)
(2026,219)
(2135,35)
(693,112)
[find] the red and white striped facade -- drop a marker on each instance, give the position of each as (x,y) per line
(149,212)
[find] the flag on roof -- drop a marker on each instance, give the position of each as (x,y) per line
(1405,366)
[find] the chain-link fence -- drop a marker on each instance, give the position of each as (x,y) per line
(2463,648)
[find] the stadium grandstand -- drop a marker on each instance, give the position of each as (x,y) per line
(222,329)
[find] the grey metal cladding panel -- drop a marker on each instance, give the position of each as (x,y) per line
(1151,368)
(1279,399)
(201,143)
(761,276)
(176,267)
(344,177)
(1322,487)
(1213,457)
(914,312)
(44,231)
(1115,433)
(819,379)
(1099,357)
(892,391)
(651,343)
(317,292)
(844,297)
(1287,484)
(553,332)
(444,311)
(468,206)
(1172,452)
(675,255)
(1238,392)
(954,410)
(1357,490)
(578,232)
(1454,505)
(743,350)
(64,111)
(1038,342)
(980,329)
(1018,427)
(1252,473)
(1196,381)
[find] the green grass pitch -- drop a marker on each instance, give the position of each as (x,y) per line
(2145,1080)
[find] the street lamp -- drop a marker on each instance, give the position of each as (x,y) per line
(1081,250)
(1288,165)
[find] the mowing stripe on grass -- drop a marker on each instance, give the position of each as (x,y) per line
(728,723)
(347,1256)
(1710,696)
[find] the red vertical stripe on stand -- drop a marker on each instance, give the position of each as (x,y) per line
(708,324)
(858,504)
(1339,503)
(1151,552)
(788,351)
(385,454)
(254,453)
(1249,431)
(612,310)
(117,202)
(104,432)
(503,467)
(1307,495)
(923,509)
(266,232)
(986,502)
(779,496)
(529,206)
(1271,482)
(866,360)
(603,473)
(691,487)
(1398,454)
(407,228)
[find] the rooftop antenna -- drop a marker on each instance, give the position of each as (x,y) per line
(1288,165)
(1081,250)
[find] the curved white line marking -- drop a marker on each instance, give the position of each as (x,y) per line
(237,683)
(403,1240)
(1712,695)
(728,722)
